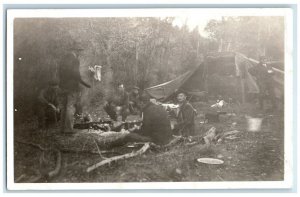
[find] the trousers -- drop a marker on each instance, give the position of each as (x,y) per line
(69,101)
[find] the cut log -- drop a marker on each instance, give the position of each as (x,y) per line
(228,134)
(210,135)
(116,158)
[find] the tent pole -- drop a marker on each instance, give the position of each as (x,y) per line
(242,89)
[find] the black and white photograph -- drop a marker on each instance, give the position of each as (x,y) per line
(153,98)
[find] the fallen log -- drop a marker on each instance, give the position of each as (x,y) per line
(116,158)
(85,140)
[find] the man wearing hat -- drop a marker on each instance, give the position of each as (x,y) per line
(264,79)
(70,79)
(48,111)
(118,104)
(186,116)
(134,101)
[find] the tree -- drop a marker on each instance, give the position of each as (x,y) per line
(253,36)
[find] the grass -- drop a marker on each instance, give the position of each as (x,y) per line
(252,156)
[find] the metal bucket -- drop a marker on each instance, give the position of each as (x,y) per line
(254,124)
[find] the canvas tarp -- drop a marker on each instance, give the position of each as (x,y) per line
(164,90)
(220,73)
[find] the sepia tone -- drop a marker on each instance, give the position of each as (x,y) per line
(215,94)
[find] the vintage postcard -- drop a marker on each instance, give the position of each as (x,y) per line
(196,98)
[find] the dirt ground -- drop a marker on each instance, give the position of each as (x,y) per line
(247,156)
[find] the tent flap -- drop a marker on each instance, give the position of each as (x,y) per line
(218,69)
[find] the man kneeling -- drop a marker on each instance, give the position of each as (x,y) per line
(48,111)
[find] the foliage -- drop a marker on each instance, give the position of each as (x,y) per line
(133,51)
(251,35)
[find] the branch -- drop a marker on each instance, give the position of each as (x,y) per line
(116,158)
(20,178)
(33,145)
(50,174)
(57,166)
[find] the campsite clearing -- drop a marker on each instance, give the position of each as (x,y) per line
(247,156)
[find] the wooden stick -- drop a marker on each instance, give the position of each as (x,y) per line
(33,145)
(173,142)
(125,156)
(35,179)
(20,178)
(57,166)
(50,174)
(98,149)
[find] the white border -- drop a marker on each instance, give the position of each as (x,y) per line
(286,12)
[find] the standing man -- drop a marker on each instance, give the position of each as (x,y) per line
(186,116)
(118,104)
(264,79)
(134,101)
(70,79)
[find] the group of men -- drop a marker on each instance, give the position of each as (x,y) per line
(68,88)
(156,123)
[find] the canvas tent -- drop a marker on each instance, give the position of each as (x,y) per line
(222,73)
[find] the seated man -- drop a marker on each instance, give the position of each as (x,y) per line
(186,117)
(47,106)
(118,104)
(134,101)
(155,127)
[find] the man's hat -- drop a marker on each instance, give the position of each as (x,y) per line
(180,91)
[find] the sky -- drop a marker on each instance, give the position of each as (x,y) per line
(193,21)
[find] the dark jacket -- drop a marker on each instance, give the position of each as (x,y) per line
(156,124)
(119,99)
(48,96)
(186,119)
(264,79)
(135,99)
(69,73)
